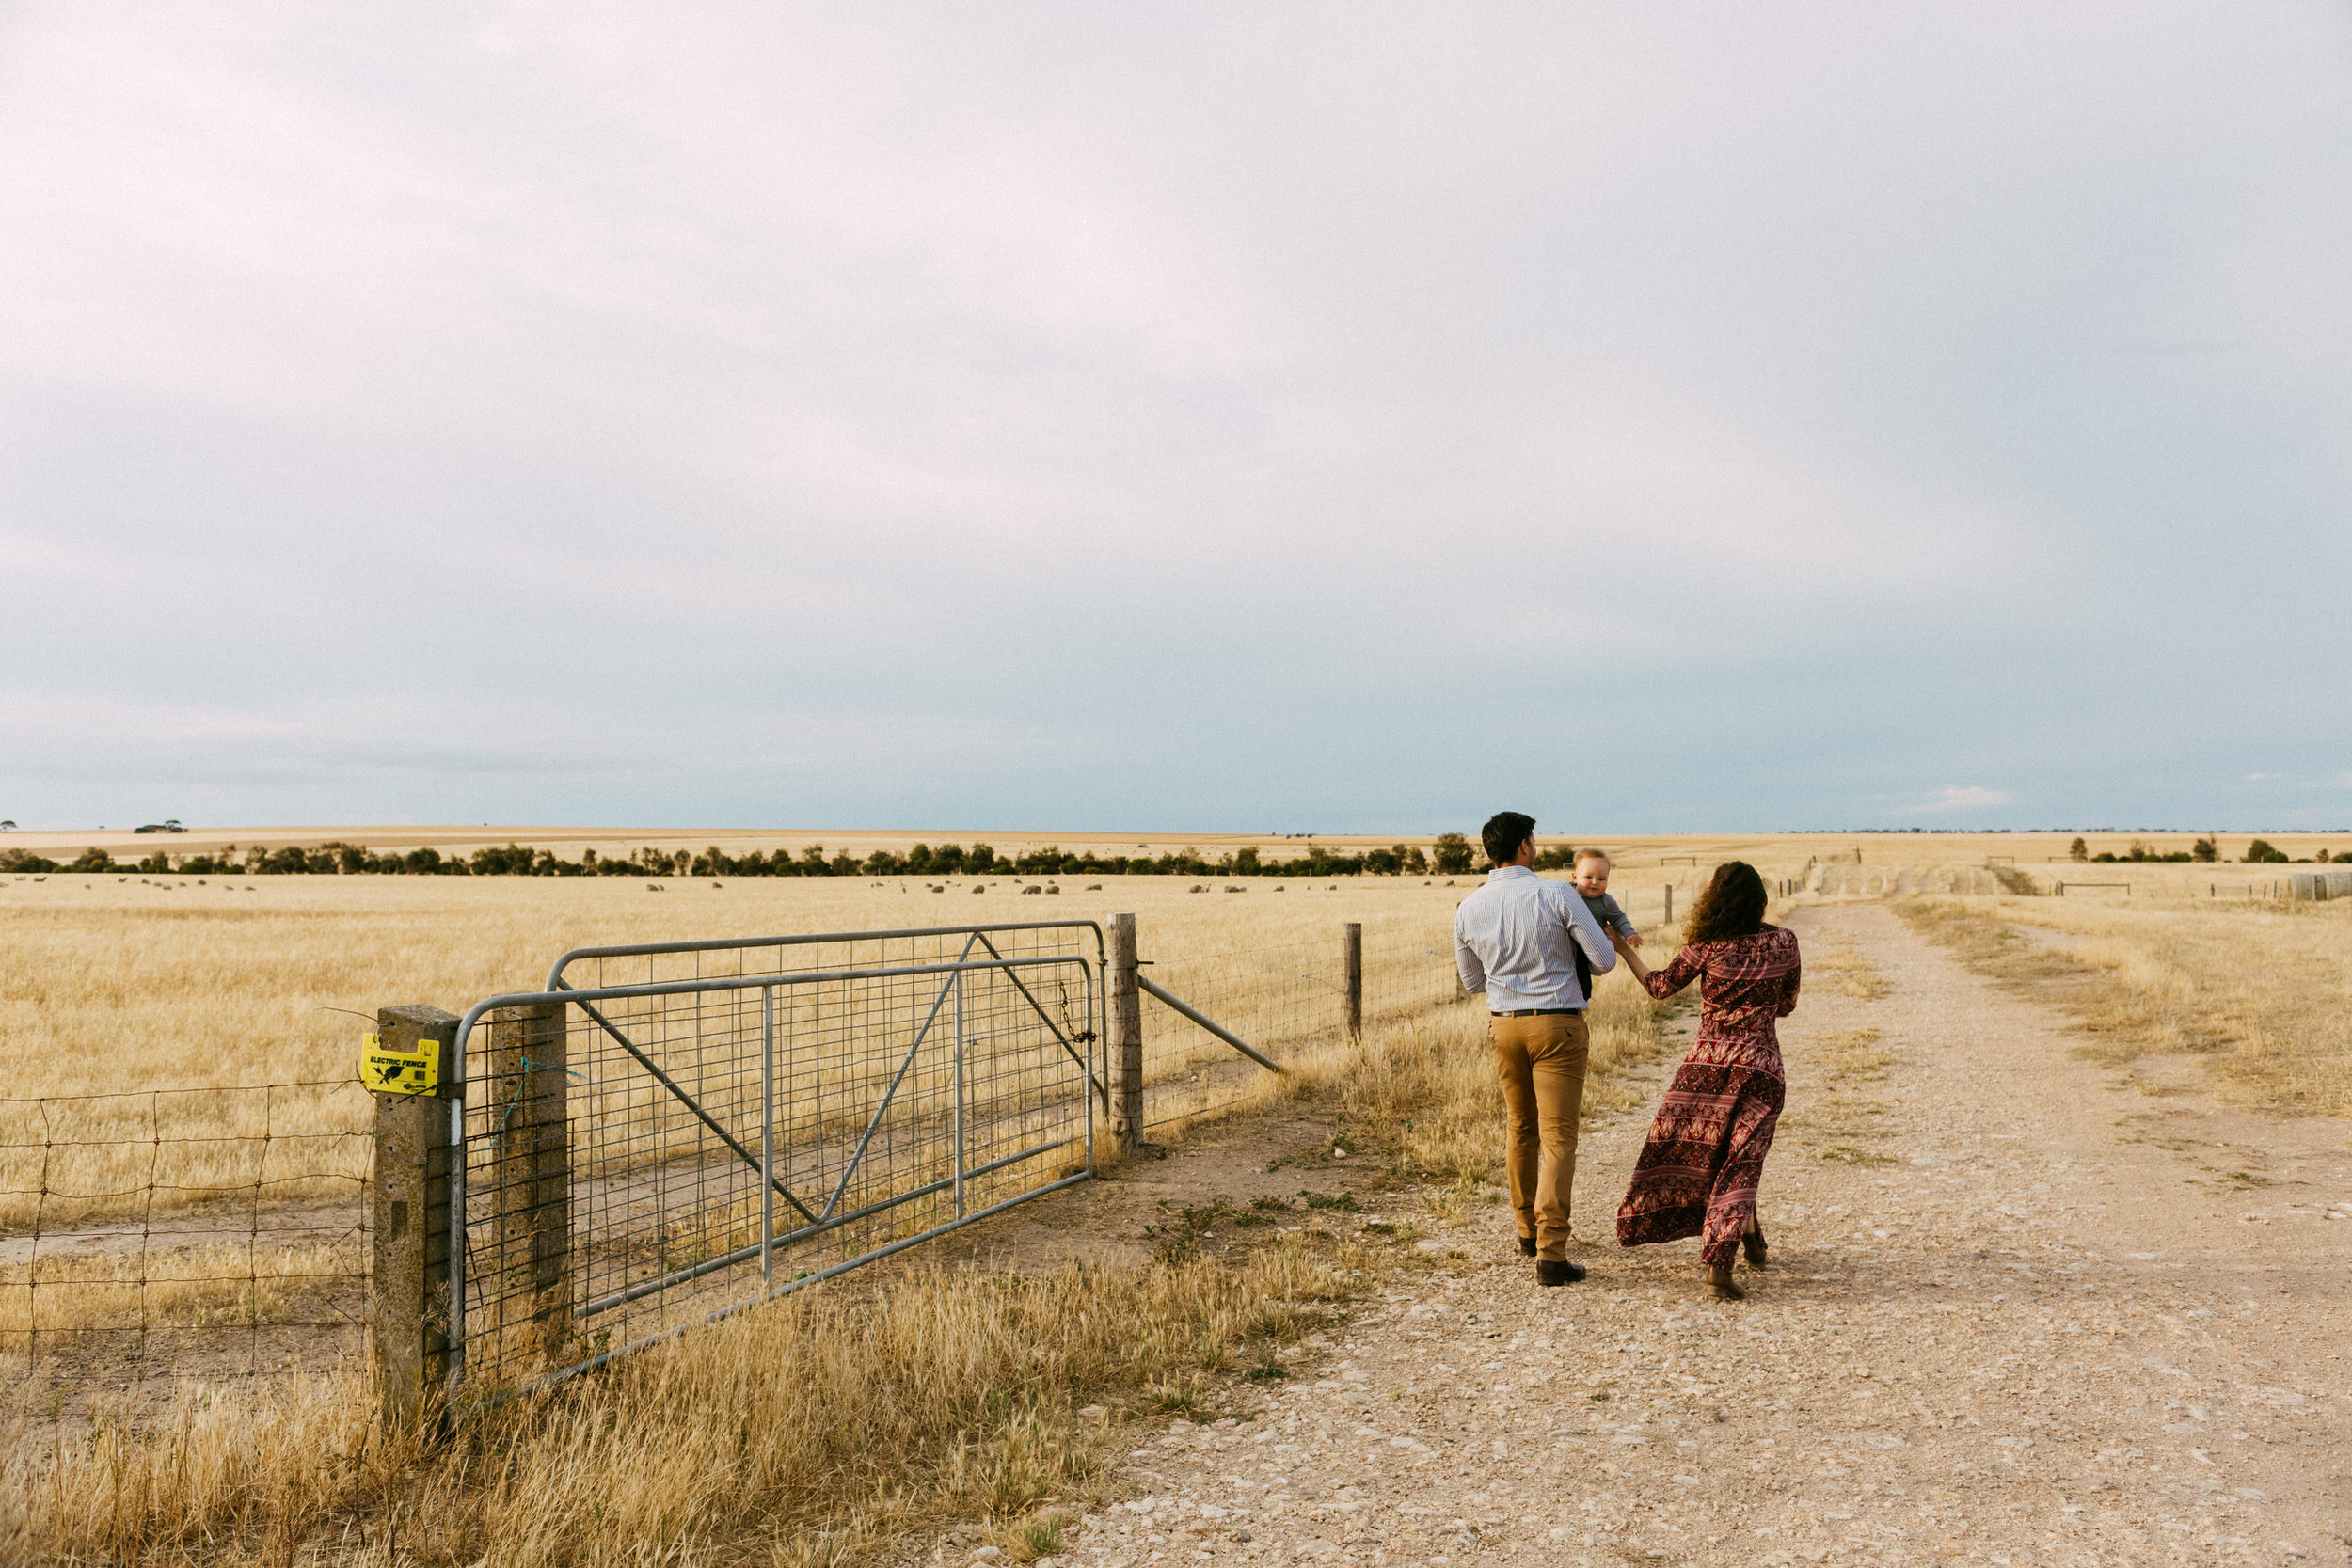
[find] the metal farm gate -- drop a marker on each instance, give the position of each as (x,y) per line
(669,1132)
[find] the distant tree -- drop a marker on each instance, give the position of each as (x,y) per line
(1453,855)
(2204,850)
(2263,852)
(92,859)
(1416,863)
(2078,850)
(8,827)
(1384,862)
(1246,861)
(24,860)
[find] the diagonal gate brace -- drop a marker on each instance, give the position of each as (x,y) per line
(685,1099)
(1186,1009)
(1039,1009)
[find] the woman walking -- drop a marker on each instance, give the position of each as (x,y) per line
(1698,1173)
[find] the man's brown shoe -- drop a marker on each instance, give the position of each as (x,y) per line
(1527,1246)
(1562,1272)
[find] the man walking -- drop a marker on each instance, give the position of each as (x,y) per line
(1534,947)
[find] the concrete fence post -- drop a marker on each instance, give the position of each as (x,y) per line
(528,1275)
(1124,1036)
(408,1287)
(1352,954)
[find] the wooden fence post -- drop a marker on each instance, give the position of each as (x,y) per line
(409,1274)
(528,1272)
(1670,904)
(1353,955)
(1124,1040)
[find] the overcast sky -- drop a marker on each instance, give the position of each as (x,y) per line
(1248,417)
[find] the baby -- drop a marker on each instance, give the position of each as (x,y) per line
(1592,880)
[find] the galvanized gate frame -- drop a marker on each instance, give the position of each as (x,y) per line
(560,991)
(738,944)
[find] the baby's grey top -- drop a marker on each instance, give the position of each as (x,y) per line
(1612,918)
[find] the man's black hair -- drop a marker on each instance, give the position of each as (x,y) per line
(1505,832)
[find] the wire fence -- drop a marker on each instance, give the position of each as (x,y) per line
(616,1185)
(1287,999)
(151,1237)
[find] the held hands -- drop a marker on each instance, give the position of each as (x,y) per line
(1624,947)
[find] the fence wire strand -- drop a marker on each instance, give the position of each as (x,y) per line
(155,1235)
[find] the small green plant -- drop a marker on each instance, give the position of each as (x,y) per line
(1344,1202)
(1269,1203)
(1043,1536)
(1265,1369)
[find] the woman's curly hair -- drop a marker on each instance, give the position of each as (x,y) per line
(1731,905)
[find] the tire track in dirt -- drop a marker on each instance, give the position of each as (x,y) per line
(2005,1323)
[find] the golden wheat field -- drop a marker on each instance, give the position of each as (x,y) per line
(959,1398)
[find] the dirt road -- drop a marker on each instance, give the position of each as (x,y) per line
(2017,1313)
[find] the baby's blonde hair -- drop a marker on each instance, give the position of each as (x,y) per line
(1600,855)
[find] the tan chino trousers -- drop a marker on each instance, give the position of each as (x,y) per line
(1541,1061)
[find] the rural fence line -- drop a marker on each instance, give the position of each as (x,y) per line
(660,1135)
(219,1232)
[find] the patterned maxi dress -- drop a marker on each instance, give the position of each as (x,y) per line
(1698,1173)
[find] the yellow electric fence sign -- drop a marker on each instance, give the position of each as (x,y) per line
(389,1072)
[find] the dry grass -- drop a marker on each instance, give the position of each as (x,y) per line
(205,1286)
(115,987)
(809,1432)
(812,1431)
(2261,990)
(801,1434)
(1855,1056)
(1849,972)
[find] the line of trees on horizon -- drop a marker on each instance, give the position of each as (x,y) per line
(1450,856)
(2205,851)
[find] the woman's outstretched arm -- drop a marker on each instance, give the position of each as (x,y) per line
(1661,983)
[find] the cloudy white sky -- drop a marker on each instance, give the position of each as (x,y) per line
(1277,417)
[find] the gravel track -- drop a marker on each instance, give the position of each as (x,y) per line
(2017,1313)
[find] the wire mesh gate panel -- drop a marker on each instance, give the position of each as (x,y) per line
(669,1132)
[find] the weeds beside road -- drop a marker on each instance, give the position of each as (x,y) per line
(2261,990)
